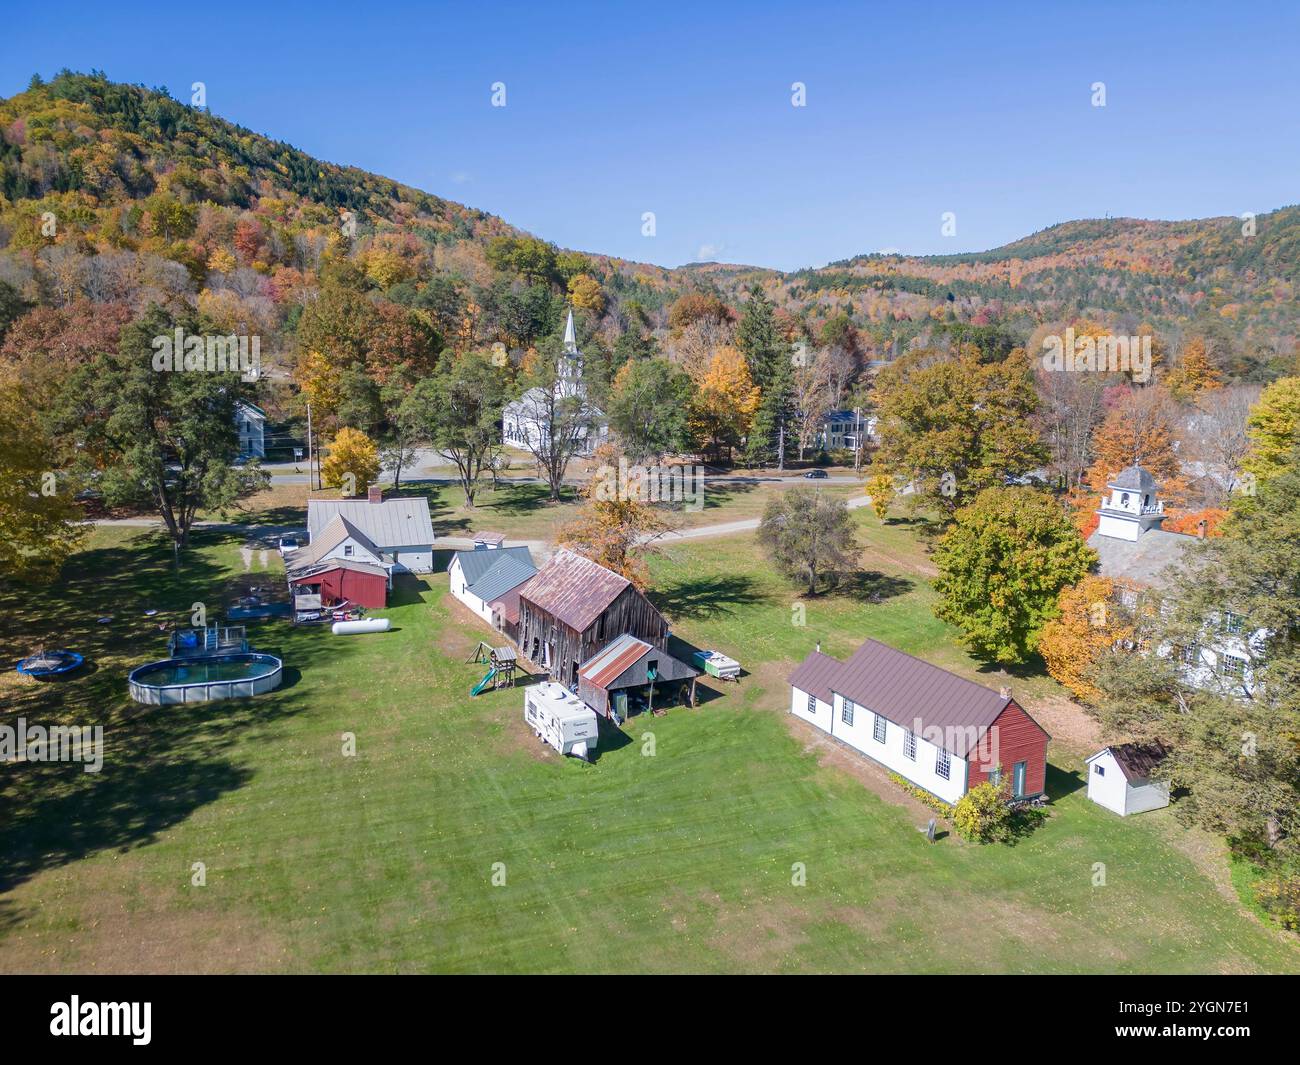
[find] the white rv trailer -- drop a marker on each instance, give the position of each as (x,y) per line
(560,718)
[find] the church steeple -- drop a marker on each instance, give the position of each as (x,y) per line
(570,336)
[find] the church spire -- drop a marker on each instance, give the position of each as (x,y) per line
(570,336)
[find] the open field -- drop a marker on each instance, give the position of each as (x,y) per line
(680,861)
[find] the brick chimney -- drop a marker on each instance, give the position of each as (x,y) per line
(1201,526)
(1004,692)
(375,494)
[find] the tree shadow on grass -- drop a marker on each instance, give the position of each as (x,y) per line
(704,597)
(871,586)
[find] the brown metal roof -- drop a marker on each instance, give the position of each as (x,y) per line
(608,665)
(574,589)
(913,694)
(1137,761)
(815,673)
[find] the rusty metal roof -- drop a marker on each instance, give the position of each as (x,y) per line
(1136,761)
(574,589)
(608,665)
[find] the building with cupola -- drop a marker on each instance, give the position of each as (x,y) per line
(1135,552)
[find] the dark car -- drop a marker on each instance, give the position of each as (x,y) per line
(815,475)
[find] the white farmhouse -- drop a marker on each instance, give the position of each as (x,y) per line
(1134,550)
(250,421)
(399,529)
(484,579)
(1119,778)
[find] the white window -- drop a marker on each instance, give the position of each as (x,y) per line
(942,764)
(1190,655)
(1232,623)
(909,744)
(347,550)
(878,729)
(846,712)
(1099,769)
(1232,666)
(812,705)
(995,777)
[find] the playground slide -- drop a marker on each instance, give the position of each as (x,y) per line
(487,679)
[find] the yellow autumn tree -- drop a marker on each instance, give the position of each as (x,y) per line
(1196,373)
(882,491)
(319,379)
(585,293)
(1273,429)
(1087,626)
(222,261)
(725,402)
(352,463)
(1140,430)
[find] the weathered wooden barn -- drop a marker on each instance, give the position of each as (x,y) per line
(630,675)
(573,608)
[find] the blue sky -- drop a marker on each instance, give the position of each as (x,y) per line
(613,110)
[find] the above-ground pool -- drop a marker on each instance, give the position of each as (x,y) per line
(200,680)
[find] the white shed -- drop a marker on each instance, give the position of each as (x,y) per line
(561,719)
(1119,778)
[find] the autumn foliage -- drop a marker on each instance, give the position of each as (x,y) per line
(1086,626)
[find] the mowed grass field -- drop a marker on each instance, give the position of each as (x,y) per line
(673,852)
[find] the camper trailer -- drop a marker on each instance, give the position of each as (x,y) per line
(560,718)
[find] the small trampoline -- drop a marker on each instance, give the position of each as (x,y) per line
(49,663)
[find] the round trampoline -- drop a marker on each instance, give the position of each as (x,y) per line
(49,663)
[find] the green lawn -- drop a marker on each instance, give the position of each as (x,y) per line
(676,861)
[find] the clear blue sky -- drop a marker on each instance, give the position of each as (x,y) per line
(913,109)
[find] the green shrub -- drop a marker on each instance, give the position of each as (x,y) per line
(1279,895)
(983,814)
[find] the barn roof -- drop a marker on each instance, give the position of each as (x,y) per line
(400,522)
(333,533)
(605,667)
(815,674)
(574,589)
(910,692)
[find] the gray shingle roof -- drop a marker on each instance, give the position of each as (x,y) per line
(1133,479)
(400,522)
(508,573)
(1141,561)
(474,564)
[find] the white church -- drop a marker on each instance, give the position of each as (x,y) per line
(1135,550)
(527,421)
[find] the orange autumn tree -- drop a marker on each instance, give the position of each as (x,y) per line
(615,524)
(1196,373)
(1086,628)
(1189,521)
(1139,431)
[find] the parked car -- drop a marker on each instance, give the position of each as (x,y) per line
(815,475)
(288,544)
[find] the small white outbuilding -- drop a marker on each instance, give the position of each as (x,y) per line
(561,719)
(1119,778)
